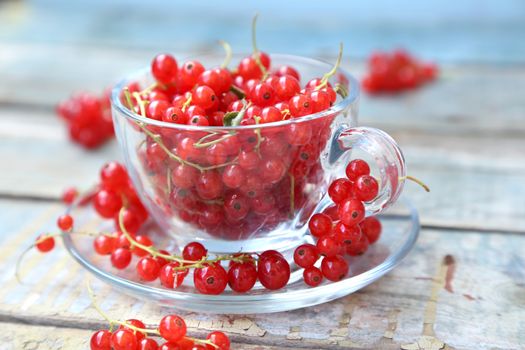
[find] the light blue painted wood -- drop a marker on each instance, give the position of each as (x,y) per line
(469,30)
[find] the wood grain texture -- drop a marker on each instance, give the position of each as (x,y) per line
(483,303)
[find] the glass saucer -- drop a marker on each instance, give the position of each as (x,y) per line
(400,232)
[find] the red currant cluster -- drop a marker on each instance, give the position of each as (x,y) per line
(88,119)
(240,182)
(342,228)
(115,192)
(133,334)
(397,71)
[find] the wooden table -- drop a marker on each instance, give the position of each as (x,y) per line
(462,287)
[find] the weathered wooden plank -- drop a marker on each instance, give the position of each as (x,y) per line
(468,99)
(474,185)
(16,336)
(465,290)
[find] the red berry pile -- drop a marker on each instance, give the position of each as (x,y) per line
(341,229)
(243,181)
(396,71)
(88,119)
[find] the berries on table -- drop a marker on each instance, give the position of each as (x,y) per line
(312,276)
(172,328)
(45,243)
(391,72)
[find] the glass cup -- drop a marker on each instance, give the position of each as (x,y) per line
(252,188)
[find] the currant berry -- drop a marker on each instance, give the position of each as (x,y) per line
(107,203)
(101,340)
(359,247)
(306,255)
(320,225)
(148,344)
(164,68)
(157,109)
(184,176)
(148,269)
(171,276)
(340,189)
(189,73)
(371,228)
(312,276)
(334,268)
(288,70)
(123,340)
(172,328)
(273,271)
(135,323)
(262,94)
(143,240)
(356,168)
(194,251)
(219,339)
(172,346)
(121,258)
(69,195)
(104,245)
(351,212)
(45,243)
(233,176)
(346,235)
(300,105)
(366,188)
(65,222)
(210,279)
(236,206)
(209,185)
(242,276)
(328,246)
(204,97)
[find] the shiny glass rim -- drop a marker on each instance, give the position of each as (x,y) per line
(283,295)
(353,97)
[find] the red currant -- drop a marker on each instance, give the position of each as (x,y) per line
(135,323)
(194,251)
(312,276)
(351,212)
(219,339)
(359,247)
(306,255)
(334,268)
(210,279)
(371,228)
(121,258)
(148,344)
(164,68)
(107,203)
(328,246)
(101,340)
(171,276)
(172,328)
(45,243)
(123,340)
(242,276)
(366,188)
(148,269)
(65,222)
(273,271)
(356,168)
(340,190)
(204,97)
(105,245)
(320,225)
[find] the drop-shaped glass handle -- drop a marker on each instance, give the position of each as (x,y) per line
(383,155)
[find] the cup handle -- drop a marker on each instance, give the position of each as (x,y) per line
(383,155)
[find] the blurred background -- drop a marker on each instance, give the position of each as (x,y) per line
(452,31)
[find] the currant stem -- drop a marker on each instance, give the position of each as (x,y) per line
(238,92)
(154,252)
(419,182)
(341,90)
(113,322)
(149,89)
(187,103)
(256,55)
(228,50)
(200,144)
(200,341)
(324,79)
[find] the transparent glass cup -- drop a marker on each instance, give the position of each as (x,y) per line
(252,188)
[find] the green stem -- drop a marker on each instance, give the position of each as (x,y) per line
(324,80)
(228,50)
(256,55)
(238,92)
(419,182)
(200,144)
